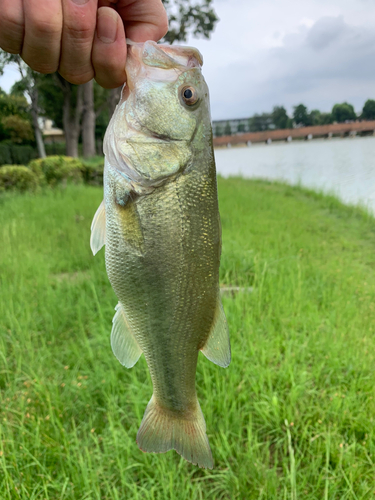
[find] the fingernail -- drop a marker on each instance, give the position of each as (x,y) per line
(80,2)
(107,25)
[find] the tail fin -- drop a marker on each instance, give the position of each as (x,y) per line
(162,430)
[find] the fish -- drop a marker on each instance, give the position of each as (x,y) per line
(160,224)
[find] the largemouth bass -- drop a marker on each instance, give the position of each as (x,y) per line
(159,222)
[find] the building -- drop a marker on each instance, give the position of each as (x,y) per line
(52,135)
(230,127)
(242,125)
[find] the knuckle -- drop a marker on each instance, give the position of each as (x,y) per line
(109,72)
(10,48)
(81,33)
(103,79)
(106,67)
(77,78)
(43,67)
(11,35)
(105,83)
(45,28)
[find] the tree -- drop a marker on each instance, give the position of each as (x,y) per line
(51,100)
(28,84)
(198,19)
(343,112)
(88,120)
(280,117)
(14,104)
(227,129)
(300,116)
(218,131)
(15,119)
(241,128)
(368,111)
(325,118)
(259,123)
(72,112)
(63,103)
(18,129)
(314,117)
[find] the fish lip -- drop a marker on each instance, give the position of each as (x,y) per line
(177,53)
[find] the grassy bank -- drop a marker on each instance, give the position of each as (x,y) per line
(293,415)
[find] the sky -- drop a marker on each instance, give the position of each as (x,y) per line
(265,53)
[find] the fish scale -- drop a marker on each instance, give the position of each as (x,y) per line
(161,229)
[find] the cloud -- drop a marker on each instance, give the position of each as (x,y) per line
(331,49)
(330,61)
(325,31)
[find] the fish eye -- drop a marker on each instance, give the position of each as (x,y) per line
(189,95)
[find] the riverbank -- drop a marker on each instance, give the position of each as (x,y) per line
(335,129)
(293,415)
(344,167)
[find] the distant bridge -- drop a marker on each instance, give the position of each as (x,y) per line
(337,129)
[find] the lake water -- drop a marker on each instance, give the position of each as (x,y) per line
(345,167)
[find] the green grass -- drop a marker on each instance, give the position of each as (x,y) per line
(291,418)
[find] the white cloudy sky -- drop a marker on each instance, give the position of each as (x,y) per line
(283,52)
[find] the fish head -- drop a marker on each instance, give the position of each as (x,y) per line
(164,102)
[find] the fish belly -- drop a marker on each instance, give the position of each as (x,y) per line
(162,259)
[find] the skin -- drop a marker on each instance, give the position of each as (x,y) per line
(81,39)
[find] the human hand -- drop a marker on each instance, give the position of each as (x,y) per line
(81,39)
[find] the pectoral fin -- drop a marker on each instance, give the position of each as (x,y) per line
(97,239)
(132,228)
(217,347)
(123,343)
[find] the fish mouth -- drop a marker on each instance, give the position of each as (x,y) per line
(159,60)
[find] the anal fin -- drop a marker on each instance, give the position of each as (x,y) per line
(123,343)
(217,346)
(97,239)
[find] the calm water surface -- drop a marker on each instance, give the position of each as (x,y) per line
(345,167)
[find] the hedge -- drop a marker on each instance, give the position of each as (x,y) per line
(15,154)
(51,171)
(57,148)
(93,174)
(57,169)
(17,177)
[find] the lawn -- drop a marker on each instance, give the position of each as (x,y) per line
(291,418)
